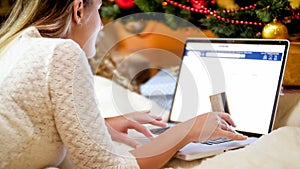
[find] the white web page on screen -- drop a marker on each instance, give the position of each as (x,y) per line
(250,76)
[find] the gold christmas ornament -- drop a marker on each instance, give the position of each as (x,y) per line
(164,3)
(275,30)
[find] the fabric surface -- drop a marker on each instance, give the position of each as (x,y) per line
(48,107)
(115,100)
(277,150)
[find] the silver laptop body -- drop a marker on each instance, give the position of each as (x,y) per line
(248,71)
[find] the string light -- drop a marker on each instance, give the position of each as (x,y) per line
(203,10)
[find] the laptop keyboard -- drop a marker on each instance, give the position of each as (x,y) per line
(216,141)
(158,131)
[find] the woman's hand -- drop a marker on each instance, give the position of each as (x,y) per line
(118,126)
(198,129)
(211,126)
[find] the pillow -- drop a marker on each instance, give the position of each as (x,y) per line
(279,149)
(115,100)
(288,111)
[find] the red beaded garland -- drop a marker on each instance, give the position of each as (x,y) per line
(205,10)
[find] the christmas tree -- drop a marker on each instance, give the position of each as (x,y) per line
(245,19)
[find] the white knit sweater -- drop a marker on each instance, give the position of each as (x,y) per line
(48,106)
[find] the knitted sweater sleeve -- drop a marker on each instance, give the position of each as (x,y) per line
(77,116)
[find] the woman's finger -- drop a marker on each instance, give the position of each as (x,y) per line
(226,127)
(140,128)
(122,137)
(127,140)
(158,118)
(158,123)
(141,116)
(227,118)
(233,135)
(144,117)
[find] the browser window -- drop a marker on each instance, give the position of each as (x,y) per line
(248,73)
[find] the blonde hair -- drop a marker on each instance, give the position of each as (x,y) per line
(51,17)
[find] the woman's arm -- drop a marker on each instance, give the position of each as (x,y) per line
(207,126)
(77,117)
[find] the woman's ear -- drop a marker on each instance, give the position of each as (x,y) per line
(78,11)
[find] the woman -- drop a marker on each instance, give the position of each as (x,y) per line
(48,105)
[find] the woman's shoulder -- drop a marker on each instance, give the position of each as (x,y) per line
(65,46)
(58,45)
(36,42)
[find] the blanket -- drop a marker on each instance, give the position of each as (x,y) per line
(278,150)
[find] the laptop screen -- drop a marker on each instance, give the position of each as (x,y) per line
(247,72)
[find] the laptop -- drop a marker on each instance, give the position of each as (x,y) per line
(242,77)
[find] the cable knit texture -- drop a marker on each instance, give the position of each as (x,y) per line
(48,107)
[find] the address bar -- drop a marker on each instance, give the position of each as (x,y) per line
(225,55)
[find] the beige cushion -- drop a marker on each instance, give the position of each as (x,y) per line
(115,100)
